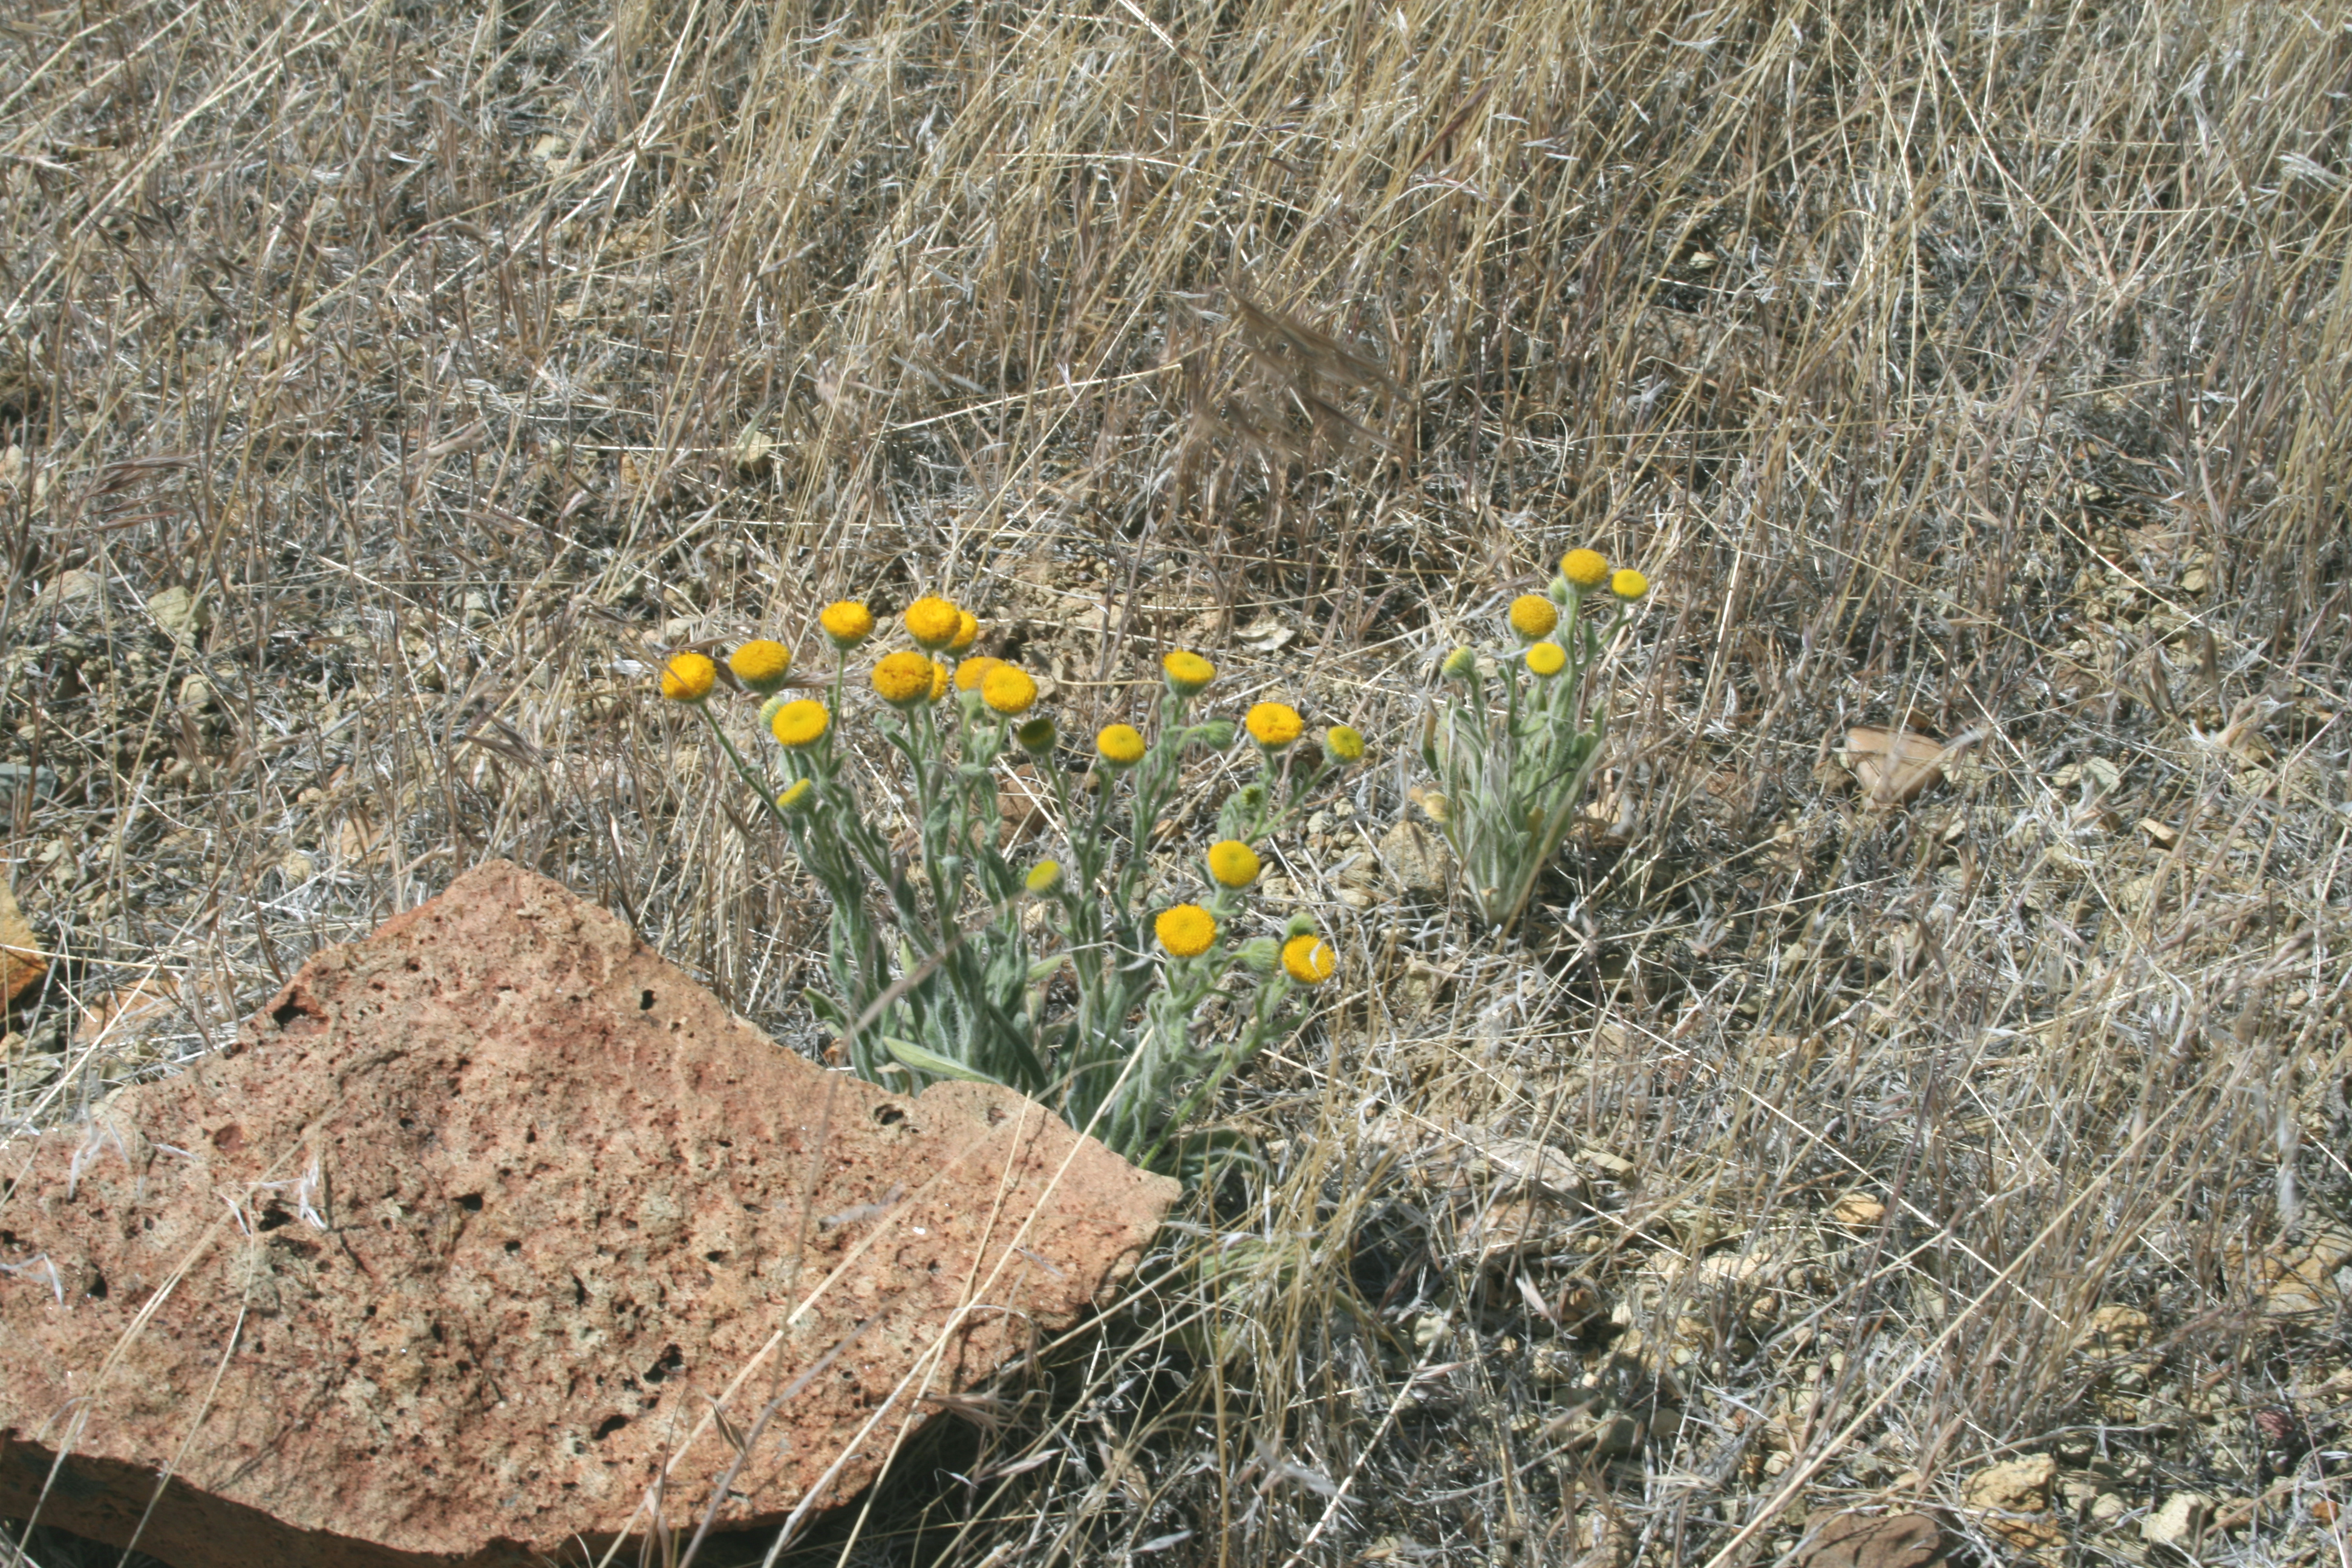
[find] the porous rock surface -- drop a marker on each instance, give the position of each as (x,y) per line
(456,1251)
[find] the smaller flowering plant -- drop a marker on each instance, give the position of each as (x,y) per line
(1514,751)
(942,968)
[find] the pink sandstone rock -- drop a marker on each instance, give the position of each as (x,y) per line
(454,1257)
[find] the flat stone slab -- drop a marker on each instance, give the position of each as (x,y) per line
(494,1234)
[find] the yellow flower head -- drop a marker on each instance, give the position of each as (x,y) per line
(1232,863)
(1343,743)
(1460,665)
(1008,691)
(1187,672)
(939,680)
(933,622)
(795,796)
(971,672)
(799,724)
(1187,930)
(1044,877)
(689,677)
(847,623)
(967,631)
(1274,725)
(903,678)
(762,665)
(1121,745)
(1533,615)
(1547,659)
(1308,960)
(1585,568)
(1629,585)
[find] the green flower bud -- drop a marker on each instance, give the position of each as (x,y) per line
(1036,736)
(1216,734)
(1261,953)
(1460,665)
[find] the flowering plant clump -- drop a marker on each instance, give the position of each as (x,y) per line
(1079,978)
(1514,750)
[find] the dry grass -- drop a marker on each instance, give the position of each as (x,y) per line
(1978,368)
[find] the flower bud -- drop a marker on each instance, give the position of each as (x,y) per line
(1216,733)
(1036,736)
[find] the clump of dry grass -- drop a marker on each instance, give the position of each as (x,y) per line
(1976,372)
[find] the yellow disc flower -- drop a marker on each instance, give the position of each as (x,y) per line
(847,623)
(1232,863)
(1585,568)
(689,677)
(1044,877)
(1274,725)
(762,665)
(938,680)
(971,672)
(903,678)
(967,631)
(1629,585)
(1187,672)
(933,622)
(1121,745)
(1187,930)
(1533,615)
(1547,659)
(800,724)
(795,796)
(1308,960)
(1008,691)
(1344,743)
